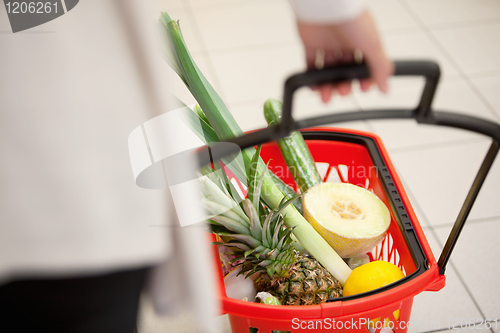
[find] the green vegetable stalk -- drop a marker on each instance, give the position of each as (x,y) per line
(226,128)
(294,150)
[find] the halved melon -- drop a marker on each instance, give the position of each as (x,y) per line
(351,219)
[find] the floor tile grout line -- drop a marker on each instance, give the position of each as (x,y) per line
(459,275)
(436,145)
(415,203)
(485,74)
(225,4)
(294,41)
(466,78)
(463,24)
(252,102)
(473,221)
(204,49)
(483,99)
(254,47)
(434,234)
(356,103)
(457,67)
(399,31)
(192,8)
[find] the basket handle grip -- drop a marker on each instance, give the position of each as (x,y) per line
(428,69)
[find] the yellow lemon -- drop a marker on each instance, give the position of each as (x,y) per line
(351,219)
(371,276)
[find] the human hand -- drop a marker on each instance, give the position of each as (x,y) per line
(341,43)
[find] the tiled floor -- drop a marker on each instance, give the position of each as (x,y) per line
(248,47)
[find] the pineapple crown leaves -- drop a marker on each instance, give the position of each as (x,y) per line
(227,185)
(254,183)
(251,211)
(219,195)
(276,252)
(260,242)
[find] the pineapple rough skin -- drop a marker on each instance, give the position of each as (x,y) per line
(307,283)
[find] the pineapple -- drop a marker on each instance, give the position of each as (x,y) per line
(263,246)
(305,282)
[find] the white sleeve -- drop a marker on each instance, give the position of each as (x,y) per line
(327,11)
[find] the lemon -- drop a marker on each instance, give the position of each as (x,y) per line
(371,276)
(351,219)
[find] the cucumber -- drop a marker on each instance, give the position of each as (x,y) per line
(294,150)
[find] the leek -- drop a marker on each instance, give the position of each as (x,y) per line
(225,127)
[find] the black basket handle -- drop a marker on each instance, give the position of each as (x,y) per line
(423,113)
(428,69)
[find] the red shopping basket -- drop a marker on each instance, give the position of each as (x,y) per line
(361,159)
